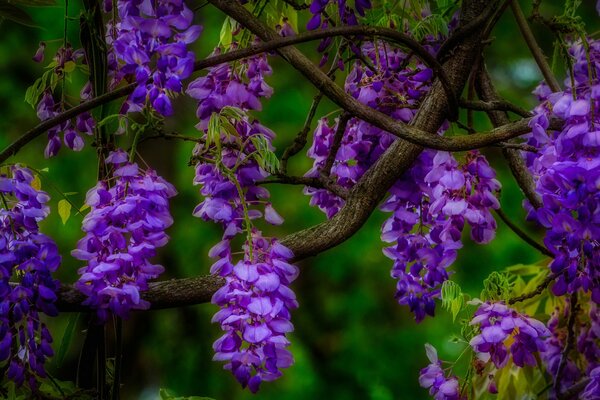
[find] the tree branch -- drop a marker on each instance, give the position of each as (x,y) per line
(365,195)
(487,92)
(537,53)
(275,43)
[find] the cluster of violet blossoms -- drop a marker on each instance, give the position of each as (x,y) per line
(48,108)
(430,205)
(255,310)
(396,90)
(124,228)
(27,260)
(433,378)
(256,300)
(346,13)
(150,44)
(497,323)
(567,172)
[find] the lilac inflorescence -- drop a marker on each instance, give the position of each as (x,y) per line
(124,228)
(567,174)
(433,378)
(255,310)
(229,179)
(256,300)
(27,258)
(431,204)
(150,44)
(395,89)
(47,108)
(346,13)
(497,323)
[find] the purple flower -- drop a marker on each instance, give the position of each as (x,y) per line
(255,310)
(150,44)
(27,258)
(125,226)
(497,323)
(567,172)
(433,378)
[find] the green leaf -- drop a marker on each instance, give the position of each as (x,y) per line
(36,183)
(34,91)
(15,14)
(66,339)
(496,287)
(64,210)
(452,298)
(226,35)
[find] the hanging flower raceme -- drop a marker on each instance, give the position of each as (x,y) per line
(255,310)
(150,44)
(431,204)
(346,13)
(395,89)
(567,172)
(124,228)
(497,324)
(27,260)
(433,378)
(63,63)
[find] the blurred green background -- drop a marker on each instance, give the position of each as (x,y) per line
(352,340)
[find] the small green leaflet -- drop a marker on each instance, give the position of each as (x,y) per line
(452,298)
(64,210)
(226,34)
(264,156)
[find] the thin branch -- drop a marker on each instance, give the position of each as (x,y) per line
(319,183)
(301,139)
(496,105)
(517,146)
(574,390)
(536,292)
(487,92)
(523,235)
(570,341)
(337,142)
(275,43)
(534,48)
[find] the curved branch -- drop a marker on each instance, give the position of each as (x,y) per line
(274,44)
(365,195)
(487,92)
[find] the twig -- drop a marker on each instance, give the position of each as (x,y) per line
(337,142)
(496,105)
(536,292)
(275,43)
(570,341)
(534,48)
(522,234)
(574,390)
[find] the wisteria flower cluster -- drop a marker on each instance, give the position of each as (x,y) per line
(567,172)
(394,89)
(27,260)
(150,44)
(124,228)
(64,61)
(497,323)
(431,204)
(346,13)
(433,378)
(255,310)
(256,300)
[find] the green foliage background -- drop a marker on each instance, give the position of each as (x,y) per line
(352,340)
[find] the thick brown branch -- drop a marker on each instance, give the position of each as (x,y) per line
(369,191)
